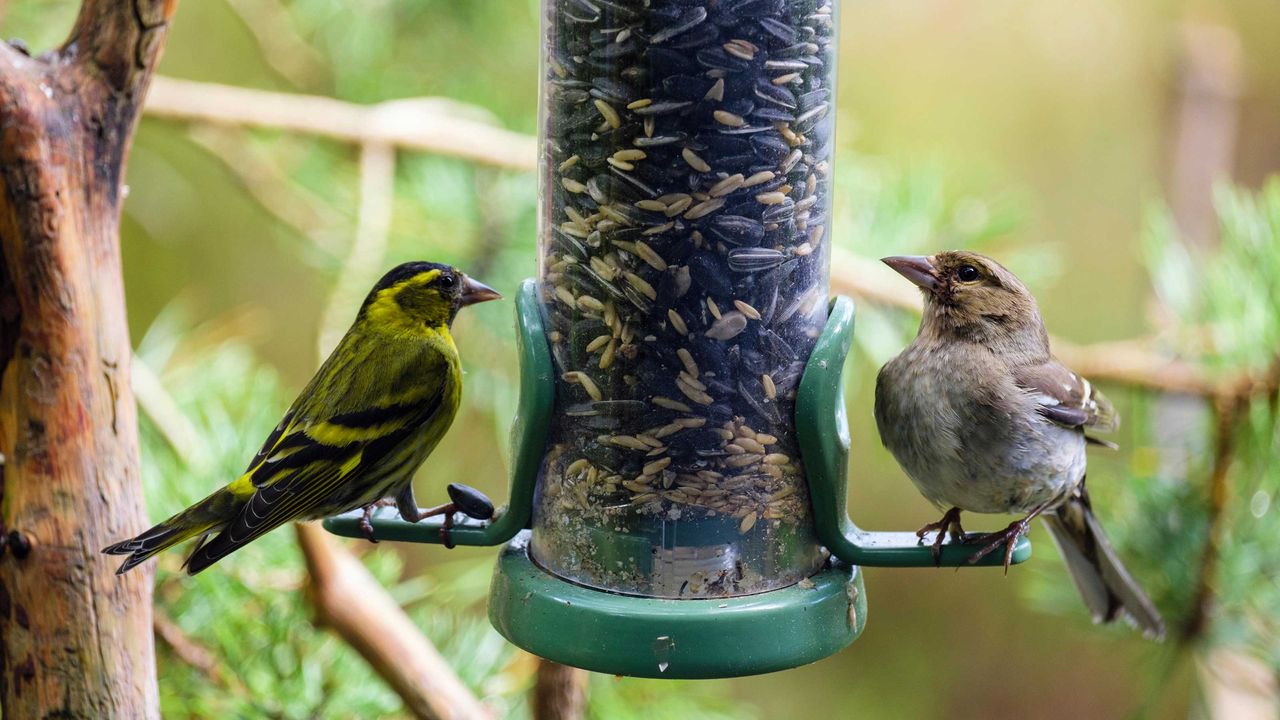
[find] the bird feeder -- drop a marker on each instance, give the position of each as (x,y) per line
(677,500)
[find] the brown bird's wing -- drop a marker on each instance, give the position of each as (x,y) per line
(1066,398)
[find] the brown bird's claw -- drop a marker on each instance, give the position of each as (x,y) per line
(950,523)
(1009,537)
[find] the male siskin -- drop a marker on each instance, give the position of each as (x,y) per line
(373,412)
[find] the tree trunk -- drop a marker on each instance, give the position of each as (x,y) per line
(75,639)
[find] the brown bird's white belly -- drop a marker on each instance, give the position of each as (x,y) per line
(960,449)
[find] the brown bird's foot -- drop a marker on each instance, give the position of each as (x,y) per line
(1008,537)
(950,523)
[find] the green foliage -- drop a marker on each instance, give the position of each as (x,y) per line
(1224,305)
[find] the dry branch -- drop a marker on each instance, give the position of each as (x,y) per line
(1230,408)
(432,125)
(447,128)
(1127,362)
(363,263)
(188,650)
(559,692)
(75,639)
(350,601)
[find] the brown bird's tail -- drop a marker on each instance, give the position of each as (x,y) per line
(1107,588)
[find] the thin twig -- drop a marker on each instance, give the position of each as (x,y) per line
(1129,362)
(1226,414)
(190,651)
(350,601)
(364,259)
(266,182)
(447,128)
(1229,408)
(433,125)
(279,42)
(168,419)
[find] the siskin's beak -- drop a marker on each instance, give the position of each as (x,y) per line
(915,268)
(474,291)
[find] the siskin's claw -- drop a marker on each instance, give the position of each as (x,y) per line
(366,527)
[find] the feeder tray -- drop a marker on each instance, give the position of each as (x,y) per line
(676,638)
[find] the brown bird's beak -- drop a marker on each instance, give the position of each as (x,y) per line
(474,291)
(915,268)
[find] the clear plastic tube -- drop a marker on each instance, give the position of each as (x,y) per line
(683,271)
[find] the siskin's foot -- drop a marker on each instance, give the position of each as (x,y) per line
(950,523)
(366,527)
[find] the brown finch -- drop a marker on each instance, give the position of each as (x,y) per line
(983,418)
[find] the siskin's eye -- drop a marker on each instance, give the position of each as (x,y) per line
(448,281)
(967,273)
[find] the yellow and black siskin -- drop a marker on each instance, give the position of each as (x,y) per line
(373,412)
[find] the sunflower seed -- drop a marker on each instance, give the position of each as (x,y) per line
(754,259)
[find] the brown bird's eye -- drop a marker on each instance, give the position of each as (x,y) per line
(967,273)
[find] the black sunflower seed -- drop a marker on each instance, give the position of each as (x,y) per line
(686,21)
(754,259)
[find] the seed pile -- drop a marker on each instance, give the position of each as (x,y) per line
(686,197)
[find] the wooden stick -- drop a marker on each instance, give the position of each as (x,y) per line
(350,601)
(433,125)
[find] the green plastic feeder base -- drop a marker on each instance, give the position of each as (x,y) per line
(677,639)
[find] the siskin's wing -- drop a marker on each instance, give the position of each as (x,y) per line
(1067,398)
(328,447)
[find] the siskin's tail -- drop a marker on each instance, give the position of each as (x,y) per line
(1107,588)
(198,520)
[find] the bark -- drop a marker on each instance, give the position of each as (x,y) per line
(75,639)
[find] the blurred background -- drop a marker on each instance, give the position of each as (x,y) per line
(1116,155)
